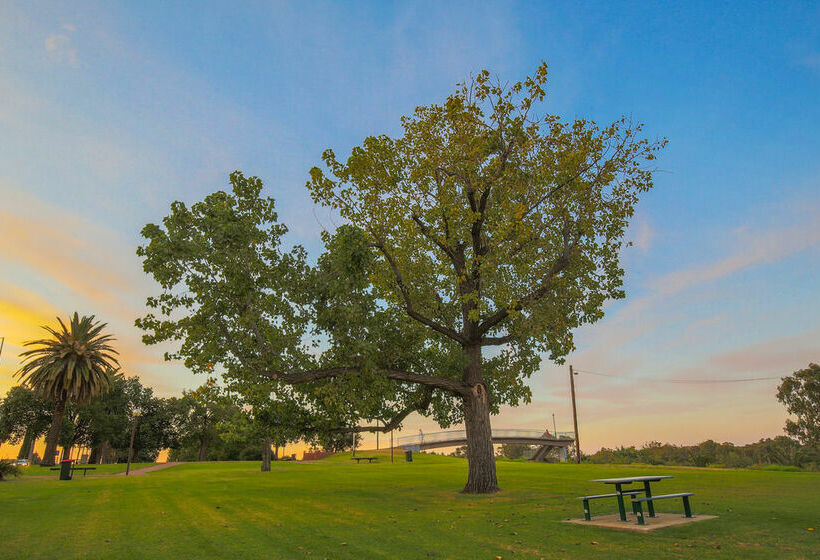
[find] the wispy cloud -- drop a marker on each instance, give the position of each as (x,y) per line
(60,47)
(754,248)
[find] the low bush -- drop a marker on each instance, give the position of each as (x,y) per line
(8,468)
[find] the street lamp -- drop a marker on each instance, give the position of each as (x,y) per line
(136,415)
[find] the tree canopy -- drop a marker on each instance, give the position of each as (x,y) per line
(477,240)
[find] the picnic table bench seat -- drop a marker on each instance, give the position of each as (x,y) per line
(637,508)
(586,500)
(368,459)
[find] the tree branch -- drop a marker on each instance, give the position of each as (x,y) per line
(496,340)
(534,295)
(296,378)
(408,304)
(423,404)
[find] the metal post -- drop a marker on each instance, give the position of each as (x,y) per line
(131,445)
(377,435)
(391,446)
(574,415)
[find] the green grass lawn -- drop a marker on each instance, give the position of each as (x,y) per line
(337,509)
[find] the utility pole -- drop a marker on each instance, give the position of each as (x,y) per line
(377,435)
(391,446)
(574,415)
(2,342)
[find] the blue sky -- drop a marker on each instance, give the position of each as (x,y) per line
(110,112)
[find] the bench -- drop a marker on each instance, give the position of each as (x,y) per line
(368,459)
(637,508)
(73,468)
(586,499)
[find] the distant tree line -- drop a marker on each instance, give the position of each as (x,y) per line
(205,424)
(781,450)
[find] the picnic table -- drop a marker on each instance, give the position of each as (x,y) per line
(619,494)
(368,459)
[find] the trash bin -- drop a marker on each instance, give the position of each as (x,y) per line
(408,456)
(65,469)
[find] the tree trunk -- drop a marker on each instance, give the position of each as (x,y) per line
(203,448)
(94,456)
(266,455)
(104,456)
(31,450)
(53,435)
(26,445)
(276,452)
(480,458)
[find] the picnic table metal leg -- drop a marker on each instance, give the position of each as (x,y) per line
(621,507)
(649,505)
(638,511)
(587,516)
(686,509)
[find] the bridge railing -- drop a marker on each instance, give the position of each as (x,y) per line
(457,435)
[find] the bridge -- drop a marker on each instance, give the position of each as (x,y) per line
(454,438)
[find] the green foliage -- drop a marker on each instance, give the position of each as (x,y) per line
(491,222)
(800,392)
(223,271)
(9,469)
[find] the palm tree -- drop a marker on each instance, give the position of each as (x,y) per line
(74,365)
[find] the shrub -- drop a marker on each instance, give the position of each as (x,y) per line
(8,468)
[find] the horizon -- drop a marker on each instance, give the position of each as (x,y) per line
(111,113)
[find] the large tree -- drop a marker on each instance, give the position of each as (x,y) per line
(479,239)
(74,365)
(800,392)
(494,227)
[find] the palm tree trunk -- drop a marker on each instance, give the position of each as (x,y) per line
(53,435)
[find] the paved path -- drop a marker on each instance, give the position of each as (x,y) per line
(146,470)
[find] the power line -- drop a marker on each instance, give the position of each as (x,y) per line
(681,381)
